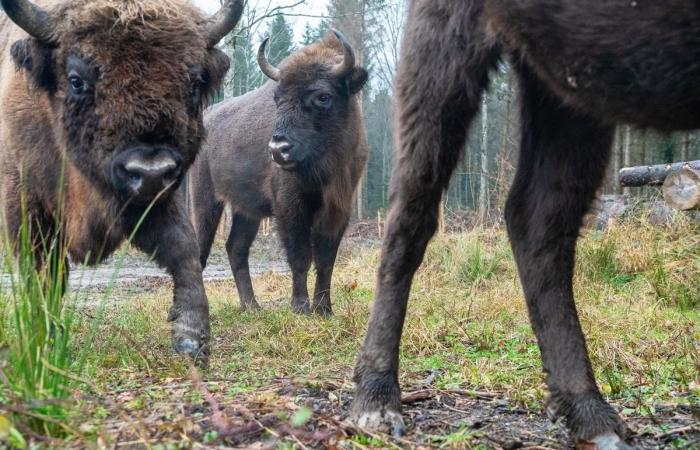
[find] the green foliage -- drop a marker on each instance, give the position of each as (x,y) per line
(39,369)
(301,417)
(466,258)
(312,34)
(281,38)
(244,75)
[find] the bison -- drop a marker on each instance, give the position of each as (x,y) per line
(583,67)
(294,148)
(101,105)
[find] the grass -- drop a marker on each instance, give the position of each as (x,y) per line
(36,368)
(637,292)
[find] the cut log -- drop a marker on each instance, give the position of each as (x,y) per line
(652,175)
(682,189)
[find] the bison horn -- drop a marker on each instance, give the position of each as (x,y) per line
(268,69)
(225,20)
(348,63)
(30,18)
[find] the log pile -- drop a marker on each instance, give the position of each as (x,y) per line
(682,189)
(680,182)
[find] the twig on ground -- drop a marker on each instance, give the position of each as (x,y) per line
(681,430)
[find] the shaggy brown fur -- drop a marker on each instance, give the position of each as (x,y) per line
(583,66)
(313,200)
(144,70)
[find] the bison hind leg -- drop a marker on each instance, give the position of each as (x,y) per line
(243,233)
(563,156)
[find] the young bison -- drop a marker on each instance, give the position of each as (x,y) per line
(295,149)
(100,115)
(583,67)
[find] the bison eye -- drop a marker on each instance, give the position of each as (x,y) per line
(77,85)
(324,101)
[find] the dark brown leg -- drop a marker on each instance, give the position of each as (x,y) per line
(243,232)
(167,234)
(325,251)
(562,163)
(295,231)
(439,87)
(206,209)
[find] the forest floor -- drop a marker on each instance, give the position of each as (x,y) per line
(470,367)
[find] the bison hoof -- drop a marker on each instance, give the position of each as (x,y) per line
(608,441)
(190,347)
(191,341)
(386,421)
(377,403)
(301,306)
(323,310)
(251,306)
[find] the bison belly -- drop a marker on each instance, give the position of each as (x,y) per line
(620,60)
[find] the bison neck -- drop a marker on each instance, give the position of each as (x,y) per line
(326,196)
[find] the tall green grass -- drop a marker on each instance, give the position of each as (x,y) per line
(37,325)
(41,356)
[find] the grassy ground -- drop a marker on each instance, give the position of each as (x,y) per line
(470,365)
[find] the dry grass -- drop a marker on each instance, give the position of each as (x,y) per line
(638,295)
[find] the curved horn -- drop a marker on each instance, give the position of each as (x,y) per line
(268,69)
(348,63)
(30,18)
(225,20)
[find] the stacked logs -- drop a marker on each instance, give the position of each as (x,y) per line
(680,182)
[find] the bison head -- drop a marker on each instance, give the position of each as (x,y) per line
(314,99)
(126,82)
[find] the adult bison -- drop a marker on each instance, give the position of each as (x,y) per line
(100,115)
(583,66)
(294,148)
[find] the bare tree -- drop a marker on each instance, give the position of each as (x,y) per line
(627,152)
(483,180)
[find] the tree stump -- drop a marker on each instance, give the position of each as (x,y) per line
(682,189)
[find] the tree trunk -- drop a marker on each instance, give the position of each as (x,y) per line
(615,189)
(483,180)
(441,217)
(359,197)
(652,175)
(682,189)
(627,152)
(685,146)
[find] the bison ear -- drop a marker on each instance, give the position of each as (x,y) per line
(36,59)
(357,80)
(216,67)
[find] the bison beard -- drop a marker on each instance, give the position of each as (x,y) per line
(100,122)
(319,145)
(583,66)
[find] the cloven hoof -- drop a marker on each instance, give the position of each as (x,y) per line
(386,421)
(608,441)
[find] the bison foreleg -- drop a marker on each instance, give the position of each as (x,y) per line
(243,232)
(562,163)
(295,231)
(325,250)
(443,73)
(167,234)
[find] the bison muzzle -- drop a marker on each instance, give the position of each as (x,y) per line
(101,107)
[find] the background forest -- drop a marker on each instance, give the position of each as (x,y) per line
(374,27)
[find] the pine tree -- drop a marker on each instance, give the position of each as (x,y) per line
(281,42)
(309,36)
(312,34)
